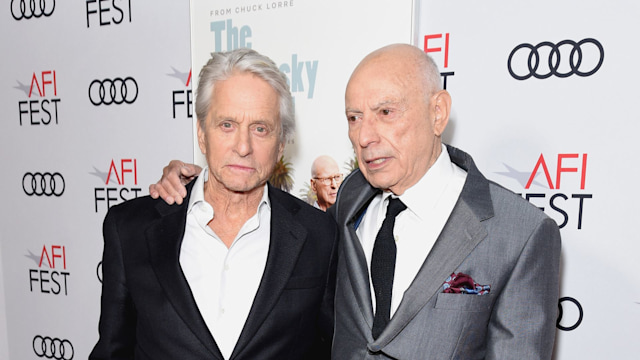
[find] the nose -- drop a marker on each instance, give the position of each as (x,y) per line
(368,132)
(243,143)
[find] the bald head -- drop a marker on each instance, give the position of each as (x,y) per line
(325,180)
(323,164)
(396,111)
(408,63)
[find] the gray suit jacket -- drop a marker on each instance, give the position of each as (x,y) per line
(492,235)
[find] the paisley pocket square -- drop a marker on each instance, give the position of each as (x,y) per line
(461,283)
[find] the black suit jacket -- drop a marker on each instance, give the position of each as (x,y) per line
(148,310)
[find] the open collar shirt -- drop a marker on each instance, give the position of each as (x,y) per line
(224,281)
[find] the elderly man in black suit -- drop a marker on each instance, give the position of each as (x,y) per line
(240,270)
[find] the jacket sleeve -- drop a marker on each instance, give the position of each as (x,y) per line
(117,327)
(321,349)
(523,323)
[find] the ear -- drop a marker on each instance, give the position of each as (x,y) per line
(313,186)
(201,138)
(280,149)
(441,107)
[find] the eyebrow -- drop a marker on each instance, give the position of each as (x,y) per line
(384,103)
(376,106)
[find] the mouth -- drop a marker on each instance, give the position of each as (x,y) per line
(238,167)
(376,163)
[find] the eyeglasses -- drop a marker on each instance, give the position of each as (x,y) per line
(327,180)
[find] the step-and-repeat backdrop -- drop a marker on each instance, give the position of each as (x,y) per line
(96,97)
(543,98)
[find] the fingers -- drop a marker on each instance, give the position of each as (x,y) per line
(189,171)
(159,191)
(170,187)
(153,191)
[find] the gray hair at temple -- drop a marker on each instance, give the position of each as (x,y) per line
(431,76)
(224,64)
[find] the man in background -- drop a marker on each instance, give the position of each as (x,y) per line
(325,181)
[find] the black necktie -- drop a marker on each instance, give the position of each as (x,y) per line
(383,264)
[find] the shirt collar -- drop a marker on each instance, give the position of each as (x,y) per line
(426,193)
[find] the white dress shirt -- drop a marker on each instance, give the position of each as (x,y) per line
(429,204)
(224,281)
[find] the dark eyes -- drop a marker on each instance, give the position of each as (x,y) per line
(381,112)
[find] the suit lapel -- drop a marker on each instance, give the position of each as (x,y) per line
(459,237)
(286,242)
(461,234)
(164,238)
(348,211)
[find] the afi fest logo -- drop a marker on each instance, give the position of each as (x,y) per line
(439,43)
(108,12)
(182,98)
(41,104)
(300,73)
(569,173)
(50,276)
(120,183)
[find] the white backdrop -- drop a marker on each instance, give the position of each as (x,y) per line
(581,125)
(53,61)
(54,121)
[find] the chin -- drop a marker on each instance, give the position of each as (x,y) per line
(377,181)
(243,187)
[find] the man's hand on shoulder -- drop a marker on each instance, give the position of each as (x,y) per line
(171,187)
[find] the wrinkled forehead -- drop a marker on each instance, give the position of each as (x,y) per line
(387,76)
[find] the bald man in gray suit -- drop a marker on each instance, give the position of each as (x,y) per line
(476,267)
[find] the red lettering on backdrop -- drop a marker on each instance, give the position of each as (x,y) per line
(427,49)
(115,171)
(123,170)
(559,170)
(51,80)
(51,260)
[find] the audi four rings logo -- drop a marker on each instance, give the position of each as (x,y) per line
(560,66)
(116,91)
(99,271)
(46,184)
(561,313)
(35,9)
(52,348)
